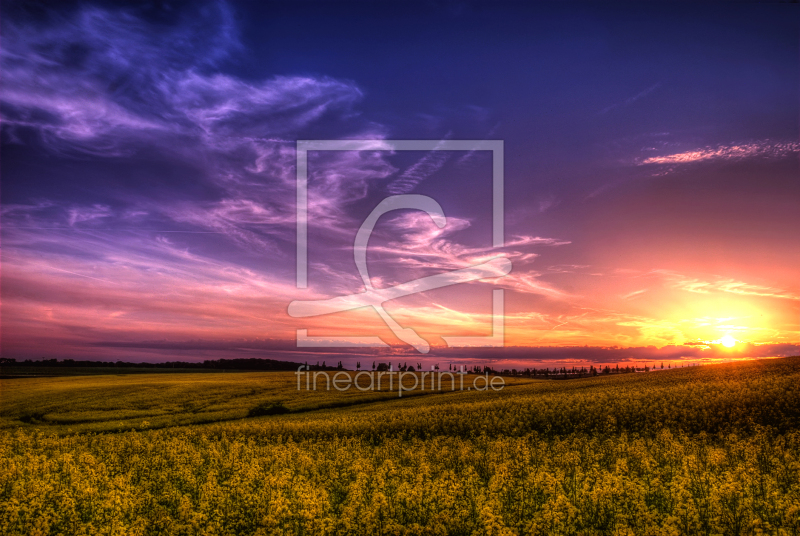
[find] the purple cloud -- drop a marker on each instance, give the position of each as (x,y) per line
(426,166)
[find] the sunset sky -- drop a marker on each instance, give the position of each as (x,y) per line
(652,186)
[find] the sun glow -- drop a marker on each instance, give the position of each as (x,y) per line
(727,341)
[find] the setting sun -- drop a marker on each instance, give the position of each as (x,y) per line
(728,341)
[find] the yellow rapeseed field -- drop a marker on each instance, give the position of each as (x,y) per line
(706,450)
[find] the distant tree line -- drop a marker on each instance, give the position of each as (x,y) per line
(575,372)
(215,364)
(272,364)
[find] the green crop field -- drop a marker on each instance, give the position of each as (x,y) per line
(704,450)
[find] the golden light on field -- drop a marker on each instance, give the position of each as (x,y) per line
(727,341)
(460,452)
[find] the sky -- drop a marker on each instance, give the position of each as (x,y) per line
(650,171)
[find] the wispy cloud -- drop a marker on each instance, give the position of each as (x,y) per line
(633,294)
(109,84)
(760,149)
(424,247)
(630,100)
(429,164)
(723,284)
(667,164)
(128,283)
(104,85)
(88,213)
(480,146)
